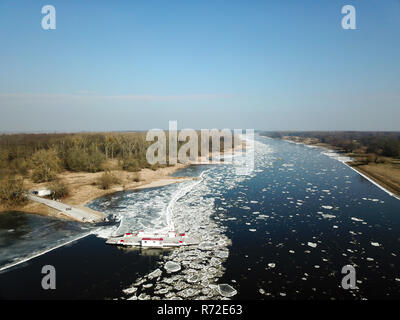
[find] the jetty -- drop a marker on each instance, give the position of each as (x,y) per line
(78,213)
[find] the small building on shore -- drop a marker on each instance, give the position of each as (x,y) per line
(42,192)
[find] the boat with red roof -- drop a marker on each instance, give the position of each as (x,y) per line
(152,239)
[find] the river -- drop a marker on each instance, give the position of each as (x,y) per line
(282,232)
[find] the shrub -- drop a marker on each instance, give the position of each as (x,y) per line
(3,158)
(59,189)
(135,164)
(43,174)
(136,177)
(12,192)
(391,148)
(156,166)
(19,166)
(131,165)
(80,160)
(106,180)
(46,165)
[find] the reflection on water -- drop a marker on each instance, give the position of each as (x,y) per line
(151,252)
(13,226)
(25,235)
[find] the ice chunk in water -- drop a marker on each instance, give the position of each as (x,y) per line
(311,244)
(130,290)
(222,254)
(187,293)
(155,274)
(226,290)
(326,215)
(206,246)
(193,278)
(215,261)
(144,296)
(171,266)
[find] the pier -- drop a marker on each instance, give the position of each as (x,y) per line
(78,213)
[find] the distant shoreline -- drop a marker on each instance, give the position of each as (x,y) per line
(382,177)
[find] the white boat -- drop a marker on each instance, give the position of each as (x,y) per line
(152,240)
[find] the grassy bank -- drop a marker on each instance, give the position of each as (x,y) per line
(386,175)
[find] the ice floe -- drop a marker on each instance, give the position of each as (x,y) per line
(226,290)
(171,266)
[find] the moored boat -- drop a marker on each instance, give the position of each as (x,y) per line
(152,239)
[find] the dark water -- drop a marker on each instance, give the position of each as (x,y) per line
(309,272)
(87,269)
(25,235)
(293,224)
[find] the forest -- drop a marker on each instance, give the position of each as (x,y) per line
(41,157)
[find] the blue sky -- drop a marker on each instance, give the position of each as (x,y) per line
(126,65)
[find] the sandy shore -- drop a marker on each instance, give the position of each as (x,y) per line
(83,188)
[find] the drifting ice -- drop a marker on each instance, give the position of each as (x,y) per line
(226,290)
(171,266)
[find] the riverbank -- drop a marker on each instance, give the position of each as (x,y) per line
(83,187)
(382,174)
(385,174)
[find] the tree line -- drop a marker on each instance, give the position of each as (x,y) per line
(41,157)
(45,154)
